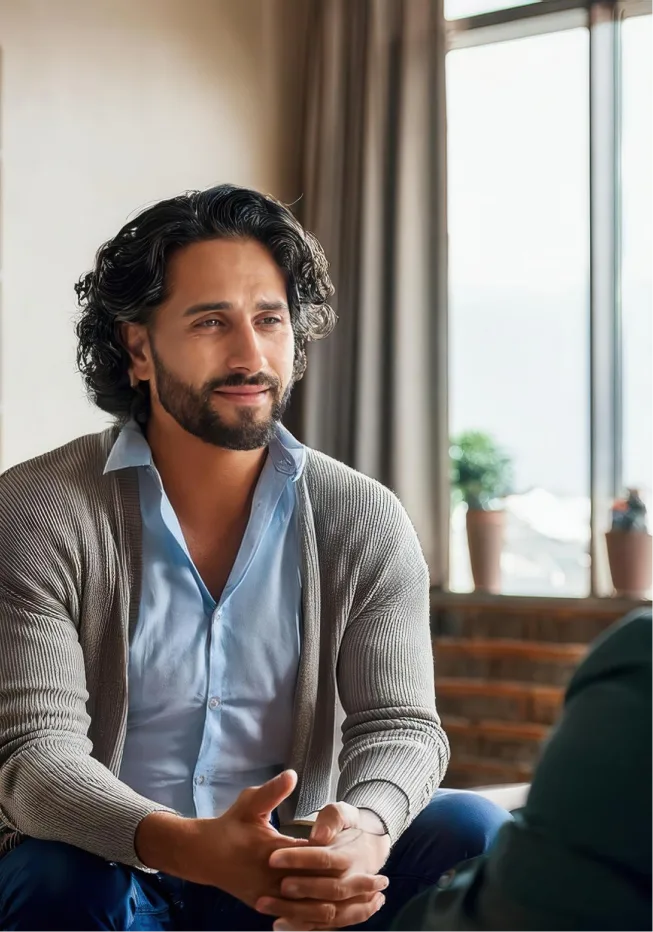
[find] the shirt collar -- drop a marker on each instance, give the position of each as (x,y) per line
(287,453)
(132,449)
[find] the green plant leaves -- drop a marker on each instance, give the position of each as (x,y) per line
(481,472)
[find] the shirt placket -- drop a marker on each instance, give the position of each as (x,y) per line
(265,502)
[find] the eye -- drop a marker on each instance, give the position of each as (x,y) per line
(209,323)
(270,321)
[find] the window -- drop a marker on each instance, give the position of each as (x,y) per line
(519,281)
(637,247)
(457,9)
(521,310)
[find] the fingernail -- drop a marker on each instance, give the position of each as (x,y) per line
(281,926)
(386,883)
(290,889)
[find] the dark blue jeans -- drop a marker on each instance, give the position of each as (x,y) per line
(50,885)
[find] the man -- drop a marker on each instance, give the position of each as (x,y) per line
(579,855)
(186,598)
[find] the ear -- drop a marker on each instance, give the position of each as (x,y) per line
(136,341)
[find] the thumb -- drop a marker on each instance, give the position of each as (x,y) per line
(329,823)
(263,800)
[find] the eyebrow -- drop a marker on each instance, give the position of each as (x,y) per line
(228,306)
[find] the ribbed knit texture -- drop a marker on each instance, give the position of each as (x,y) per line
(69,591)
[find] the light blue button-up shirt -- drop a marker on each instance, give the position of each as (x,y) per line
(211,685)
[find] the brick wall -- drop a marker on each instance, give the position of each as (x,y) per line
(501,668)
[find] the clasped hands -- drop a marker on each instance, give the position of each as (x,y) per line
(328,881)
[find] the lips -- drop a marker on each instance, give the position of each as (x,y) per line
(243,390)
(244,394)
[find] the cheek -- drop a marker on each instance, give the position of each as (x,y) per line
(284,362)
(196,358)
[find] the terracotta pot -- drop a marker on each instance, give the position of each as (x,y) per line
(485,541)
(630,555)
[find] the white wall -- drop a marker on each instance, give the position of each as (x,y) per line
(108,105)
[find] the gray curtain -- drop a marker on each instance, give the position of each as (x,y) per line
(373,183)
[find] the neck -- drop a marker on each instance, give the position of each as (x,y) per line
(200,478)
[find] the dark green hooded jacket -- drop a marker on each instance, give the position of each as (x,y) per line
(578,856)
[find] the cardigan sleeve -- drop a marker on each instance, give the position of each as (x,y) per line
(50,785)
(395,752)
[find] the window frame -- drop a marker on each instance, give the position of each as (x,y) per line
(603,19)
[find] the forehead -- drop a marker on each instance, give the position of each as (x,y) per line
(219,268)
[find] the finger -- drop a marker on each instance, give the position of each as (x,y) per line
(263,800)
(331,915)
(333,889)
(284,925)
(332,820)
(314,859)
(284,841)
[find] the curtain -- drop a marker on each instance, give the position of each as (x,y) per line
(373,193)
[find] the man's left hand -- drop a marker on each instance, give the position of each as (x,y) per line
(334,881)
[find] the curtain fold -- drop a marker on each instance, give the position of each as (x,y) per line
(373,187)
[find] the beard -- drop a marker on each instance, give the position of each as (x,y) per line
(192,408)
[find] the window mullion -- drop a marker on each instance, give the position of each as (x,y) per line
(439,336)
(604,284)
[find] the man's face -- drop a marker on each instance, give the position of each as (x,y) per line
(219,352)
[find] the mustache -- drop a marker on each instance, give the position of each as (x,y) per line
(236,380)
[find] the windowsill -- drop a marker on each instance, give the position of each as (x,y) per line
(608,604)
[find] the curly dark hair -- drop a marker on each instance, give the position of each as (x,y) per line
(128,281)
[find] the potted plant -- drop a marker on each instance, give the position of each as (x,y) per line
(629,547)
(481,475)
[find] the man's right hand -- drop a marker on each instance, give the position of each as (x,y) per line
(230,852)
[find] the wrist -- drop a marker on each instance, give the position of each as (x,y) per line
(379,847)
(372,823)
(162,840)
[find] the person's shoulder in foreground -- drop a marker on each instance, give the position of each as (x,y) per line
(579,855)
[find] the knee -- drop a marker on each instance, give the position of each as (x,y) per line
(47,884)
(465,822)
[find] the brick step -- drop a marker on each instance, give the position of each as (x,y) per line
(477,700)
(503,742)
(508,647)
(555,625)
(507,659)
(464,773)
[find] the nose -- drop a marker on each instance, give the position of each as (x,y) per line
(244,350)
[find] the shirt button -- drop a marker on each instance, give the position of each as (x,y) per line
(200,780)
(214,702)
